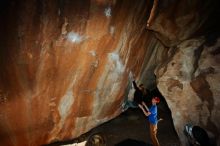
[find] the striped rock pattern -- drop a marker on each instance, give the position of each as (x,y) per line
(65,65)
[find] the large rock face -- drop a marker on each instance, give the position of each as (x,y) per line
(190,83)
(189,78)
(65,65)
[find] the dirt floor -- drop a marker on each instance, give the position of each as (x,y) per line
(131,129)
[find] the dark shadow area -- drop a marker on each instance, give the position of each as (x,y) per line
(166,115)
(61,143)
(156,92)
(132,142)
(210,28)
(131,128)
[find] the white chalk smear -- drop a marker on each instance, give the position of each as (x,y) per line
(93,53)
(75,37)
(119,67)
(108,12)
(112,30)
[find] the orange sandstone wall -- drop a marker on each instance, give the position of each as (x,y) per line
(65,65)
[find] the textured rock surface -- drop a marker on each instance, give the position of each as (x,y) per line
(189,78)
(175,21)
(190,82)
(65,65)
